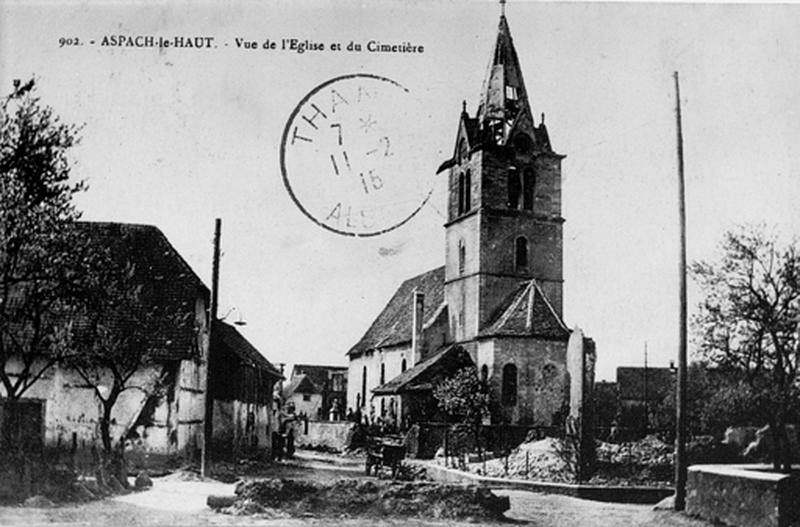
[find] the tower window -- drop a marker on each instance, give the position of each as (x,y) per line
(528,182)
(521,253)
(509,388)
(467,191)
(462,191)
(513,184)
(383,373)
(484,373)
(511,93)
(462,256)
(403,366)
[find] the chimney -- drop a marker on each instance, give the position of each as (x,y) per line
(417,310)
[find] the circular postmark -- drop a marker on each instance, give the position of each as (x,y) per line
(347,156)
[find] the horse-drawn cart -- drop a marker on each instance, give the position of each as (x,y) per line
(385,451)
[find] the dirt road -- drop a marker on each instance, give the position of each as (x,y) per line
(175,501)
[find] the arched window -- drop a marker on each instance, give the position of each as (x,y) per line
(484,373)
(358,401)
(528,182)
(509,388)
(467,191)
(383,373)
(462,256)
(403,366)
(521,253)
(364,384)
(461,190)
(513,185)
(461,155)
(383,406)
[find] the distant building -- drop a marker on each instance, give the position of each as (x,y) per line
(641,391)
(498,298)
(317,392)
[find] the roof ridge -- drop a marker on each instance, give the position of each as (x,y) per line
(549,305)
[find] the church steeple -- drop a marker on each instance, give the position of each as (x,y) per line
(503,97)
(504,224)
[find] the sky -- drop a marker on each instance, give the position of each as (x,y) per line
(177,137)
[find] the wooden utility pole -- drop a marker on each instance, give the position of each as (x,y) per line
(680,406)
(208,419)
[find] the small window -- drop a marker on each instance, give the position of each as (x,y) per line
(306,397)
(403,366)
(462,256)
(511,93)
(513,183)
(383,373)
(358,401)
(509,388)
(528,182)
(484,373)
(383,406)
(462,192)
(521,253)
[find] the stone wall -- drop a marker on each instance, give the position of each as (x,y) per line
(743,495)
(322,434)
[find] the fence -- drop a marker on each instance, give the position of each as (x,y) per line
(620,454)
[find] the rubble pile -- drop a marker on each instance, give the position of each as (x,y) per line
(648,451)
(370,498)
(535,460)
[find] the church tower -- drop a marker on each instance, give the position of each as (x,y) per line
(504,224)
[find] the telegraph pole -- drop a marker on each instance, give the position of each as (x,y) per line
(680,417)
(208,419)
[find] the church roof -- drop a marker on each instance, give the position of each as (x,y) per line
(425,374)
(393,325)
(527,313)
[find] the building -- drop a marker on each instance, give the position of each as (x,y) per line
(498,298)
(317,392)
(163,411)
(241,383)
(164,414)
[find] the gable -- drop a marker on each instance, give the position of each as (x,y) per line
(392,327)
(526,313)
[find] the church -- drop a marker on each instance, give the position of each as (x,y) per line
(497,303)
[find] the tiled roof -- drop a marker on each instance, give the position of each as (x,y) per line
(228,337)
(168,283)
(300,384)
(393,325)
(318,374)
(422,376)
(527,313)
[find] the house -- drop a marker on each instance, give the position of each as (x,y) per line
(241,383)
(498,297)
(163,411)
(641,391)
(302,398)
(331,381)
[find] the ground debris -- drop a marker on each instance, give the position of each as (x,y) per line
(534,460)
(350,497)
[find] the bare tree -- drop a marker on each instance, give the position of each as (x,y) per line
(37,276)
(749,320)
